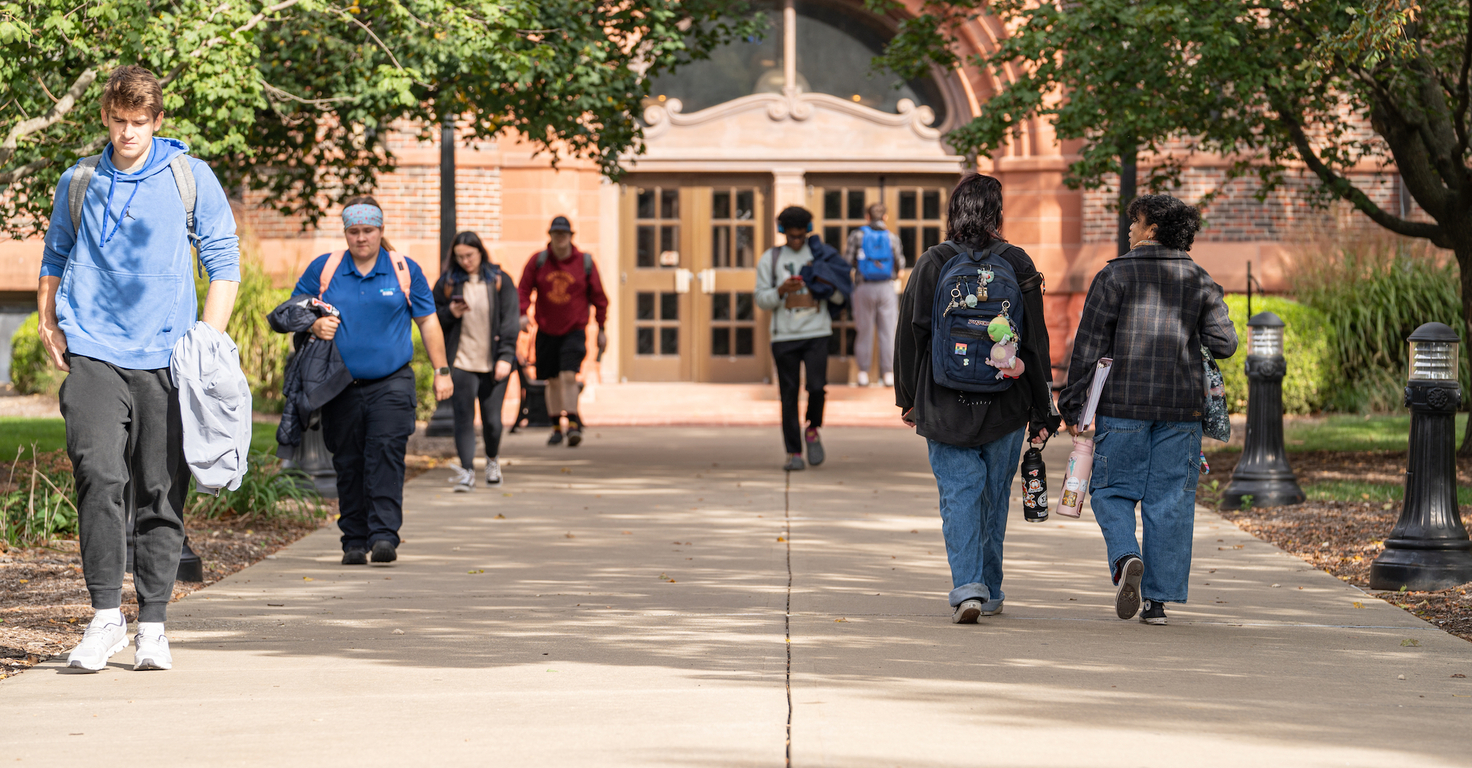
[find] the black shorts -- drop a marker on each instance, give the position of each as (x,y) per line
(560,353)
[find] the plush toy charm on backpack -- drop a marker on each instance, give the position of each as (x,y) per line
(1000,329)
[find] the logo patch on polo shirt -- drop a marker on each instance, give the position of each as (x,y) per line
(386,291)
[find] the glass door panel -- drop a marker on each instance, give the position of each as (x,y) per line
(654,283)
(732,335)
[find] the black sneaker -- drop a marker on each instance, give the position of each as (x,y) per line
(556,438)
(574,432)
(354,557)
(1153,613)
(384,552)
(1127,599)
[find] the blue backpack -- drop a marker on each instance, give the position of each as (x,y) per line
(973,292)
(876,260)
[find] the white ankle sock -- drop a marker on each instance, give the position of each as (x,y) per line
(151,628)
(108,616)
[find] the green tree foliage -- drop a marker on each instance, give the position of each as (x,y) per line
(1271,84)
(31,370)
(296,97)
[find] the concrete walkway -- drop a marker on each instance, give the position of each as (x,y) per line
(664,597)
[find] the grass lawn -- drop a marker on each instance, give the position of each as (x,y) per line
(1354,433)
(1348,490)
(50,435)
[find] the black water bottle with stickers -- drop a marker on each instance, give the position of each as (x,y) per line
(1034,486)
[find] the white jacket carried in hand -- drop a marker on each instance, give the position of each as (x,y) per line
(215,407)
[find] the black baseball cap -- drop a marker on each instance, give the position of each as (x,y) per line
(560,224)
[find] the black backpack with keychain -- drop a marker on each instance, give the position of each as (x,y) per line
(977,321)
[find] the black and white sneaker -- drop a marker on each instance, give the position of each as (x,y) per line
(493,471)
(1153,613)
(966,612)
(1127,599)
(463,479)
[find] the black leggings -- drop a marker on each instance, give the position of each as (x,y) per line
(470,387)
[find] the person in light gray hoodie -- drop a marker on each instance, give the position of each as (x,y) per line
(801,327)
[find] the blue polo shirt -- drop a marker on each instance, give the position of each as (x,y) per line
(374,338)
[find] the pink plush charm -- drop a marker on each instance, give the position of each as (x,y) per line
(1015,372)
(1003,356)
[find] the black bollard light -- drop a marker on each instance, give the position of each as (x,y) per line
(312,464)
(1263,472)
(442,423)
(1428,549)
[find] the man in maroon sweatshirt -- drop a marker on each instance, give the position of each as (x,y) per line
(566,282)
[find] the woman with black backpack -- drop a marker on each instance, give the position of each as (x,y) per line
(971,372)
(477,307)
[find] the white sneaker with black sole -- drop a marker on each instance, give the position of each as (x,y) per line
(152,653)
(100,641)
(966,612)
(1127,599)
(463,479)
(493,471)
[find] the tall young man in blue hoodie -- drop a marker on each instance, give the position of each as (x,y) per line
(116,292)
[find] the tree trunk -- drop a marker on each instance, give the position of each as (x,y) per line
(1464,265)
(1128,179)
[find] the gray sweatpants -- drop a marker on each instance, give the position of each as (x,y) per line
(126,443)
(875,303)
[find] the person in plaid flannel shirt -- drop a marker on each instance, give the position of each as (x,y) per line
(1151,310)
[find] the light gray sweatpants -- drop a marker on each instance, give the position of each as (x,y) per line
(875,304)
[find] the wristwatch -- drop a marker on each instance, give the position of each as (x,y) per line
(445,371)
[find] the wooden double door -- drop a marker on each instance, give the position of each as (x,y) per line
(688,277)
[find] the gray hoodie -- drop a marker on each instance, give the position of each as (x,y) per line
(789,324)
(214,406)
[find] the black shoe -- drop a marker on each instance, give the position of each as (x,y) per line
(1154,612)
(815,447)
(794,463)
(1127,599)
(384,552)
(574,432)
(354,557)
(556,438)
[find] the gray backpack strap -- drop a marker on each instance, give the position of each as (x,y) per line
(76,192)
(588,264)
(541,259)
(184,178)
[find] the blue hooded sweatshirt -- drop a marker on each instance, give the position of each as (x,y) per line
(127,276)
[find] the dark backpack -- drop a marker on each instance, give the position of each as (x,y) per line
(587,262)
(960,345)
(876,255)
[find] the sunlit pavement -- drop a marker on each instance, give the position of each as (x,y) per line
(663,596)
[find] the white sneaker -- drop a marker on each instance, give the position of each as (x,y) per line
(493,471)
(889,379)
(152,653)
(863,378)
(966,612)
(463,479)
(99,642)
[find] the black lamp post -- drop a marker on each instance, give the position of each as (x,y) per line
(1428,549)
(312,463)
(1263,471)
(442,423)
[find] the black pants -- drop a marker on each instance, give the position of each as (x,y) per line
(126,443)
(471,386)
(367,428)
(556,354)
(811,354)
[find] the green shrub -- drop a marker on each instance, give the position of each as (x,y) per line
(265,493)
(423,379)
(1375,293)
(263,352)
(31,371)
(39,499)
(1308,345)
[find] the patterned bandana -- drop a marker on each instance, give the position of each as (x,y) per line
(362,213)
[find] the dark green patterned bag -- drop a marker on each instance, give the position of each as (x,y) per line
(1216,424)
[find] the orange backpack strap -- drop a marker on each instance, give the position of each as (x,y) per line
(401,272)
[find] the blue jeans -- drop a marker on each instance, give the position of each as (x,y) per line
(1155,464)
(975,487)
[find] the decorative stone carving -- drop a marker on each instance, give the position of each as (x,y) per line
(791,104)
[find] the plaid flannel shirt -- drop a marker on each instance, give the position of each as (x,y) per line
(1151,310)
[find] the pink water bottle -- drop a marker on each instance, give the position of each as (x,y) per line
(1076,479)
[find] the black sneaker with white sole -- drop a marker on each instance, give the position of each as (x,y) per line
(1127,599)
(1153,613)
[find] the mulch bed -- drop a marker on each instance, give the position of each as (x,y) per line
(44,606)
(1343,537)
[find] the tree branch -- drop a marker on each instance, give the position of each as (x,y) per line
(52,116)
(1343,188)
(284,94)
(371,34)
(1462,92)
(10,177)
(246,27)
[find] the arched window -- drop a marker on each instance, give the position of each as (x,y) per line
(836,45)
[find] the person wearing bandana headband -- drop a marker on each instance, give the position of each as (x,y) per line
(367,426)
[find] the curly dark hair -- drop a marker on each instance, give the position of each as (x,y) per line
(974,215)
(1175,222)
(795,217)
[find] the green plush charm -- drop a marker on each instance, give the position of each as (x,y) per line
(1000,329)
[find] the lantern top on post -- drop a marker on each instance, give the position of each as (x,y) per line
(1269,320)
(1434,353)
(1265,333)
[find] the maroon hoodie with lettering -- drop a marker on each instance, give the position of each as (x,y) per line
(564,292)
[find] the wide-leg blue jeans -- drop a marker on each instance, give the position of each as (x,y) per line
(1154,464)
(975,487)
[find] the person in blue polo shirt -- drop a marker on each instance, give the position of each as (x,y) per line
(367,427)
